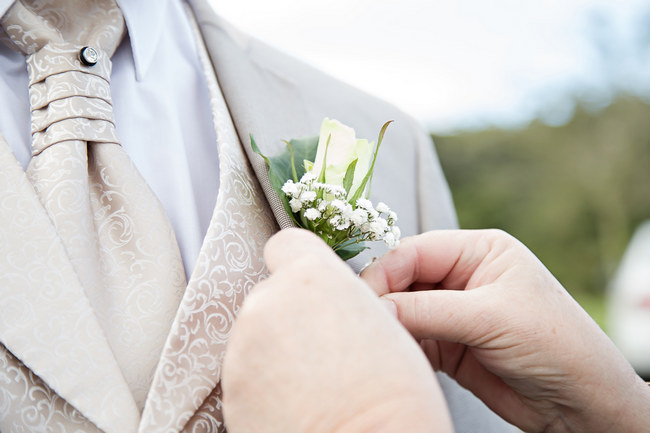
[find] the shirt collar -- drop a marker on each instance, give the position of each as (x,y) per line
(144,22)
(4,5)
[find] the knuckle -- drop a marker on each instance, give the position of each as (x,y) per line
(497,234)
(500,240)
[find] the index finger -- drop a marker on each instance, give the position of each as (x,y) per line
(448,258)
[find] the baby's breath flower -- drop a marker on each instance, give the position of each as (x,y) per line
(336,191)
(381,223)
(390,240)
(343,208)
(377,228)
(308,178)
(322,206)
(308,196)
(312,214)
(359,216)
(339,205)
(382,207)
(295,204)
(322,200)
(364,203)
(343,225)
(347,211)
(290,188)
(336,220)
(338,215)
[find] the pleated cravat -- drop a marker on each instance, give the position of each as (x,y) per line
(114,229)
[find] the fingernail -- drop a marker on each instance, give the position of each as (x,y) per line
(390,306)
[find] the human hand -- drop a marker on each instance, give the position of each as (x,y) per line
(490,315)
(314,350)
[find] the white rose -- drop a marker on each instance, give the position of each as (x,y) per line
(343,148)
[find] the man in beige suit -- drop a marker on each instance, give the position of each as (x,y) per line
(64,364)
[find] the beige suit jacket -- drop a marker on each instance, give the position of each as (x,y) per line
(58,388)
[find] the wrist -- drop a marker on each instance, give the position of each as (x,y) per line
(634,414)
(626,409)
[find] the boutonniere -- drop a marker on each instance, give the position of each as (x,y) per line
(324,184)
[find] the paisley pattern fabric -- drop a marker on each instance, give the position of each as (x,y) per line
(27,404)
(47,322)
(230,264)
(111,353)
(114,230)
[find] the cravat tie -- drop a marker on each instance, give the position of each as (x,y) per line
(115,231)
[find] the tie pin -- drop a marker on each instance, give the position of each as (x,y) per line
(89,56)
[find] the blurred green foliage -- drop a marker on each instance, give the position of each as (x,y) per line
(573,194)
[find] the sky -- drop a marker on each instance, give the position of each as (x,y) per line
(463,64)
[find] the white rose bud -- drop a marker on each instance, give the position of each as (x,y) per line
(343,148)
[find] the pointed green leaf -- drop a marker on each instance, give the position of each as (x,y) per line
(293,162)
(372,166)
(321,175)
(350,251)
(257,150)
(368,177)
(349,176)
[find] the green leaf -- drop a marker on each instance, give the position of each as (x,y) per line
(349,176)
(321,175)
(350,251)
(303,149)
(281,168)
(368,177)
(257,150)
(293,162)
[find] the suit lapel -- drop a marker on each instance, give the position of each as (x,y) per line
(261,101)
(230,263)
(47,321)
(269,106)
(266,103)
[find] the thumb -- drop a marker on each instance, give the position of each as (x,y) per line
(289,245)
(450,315)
